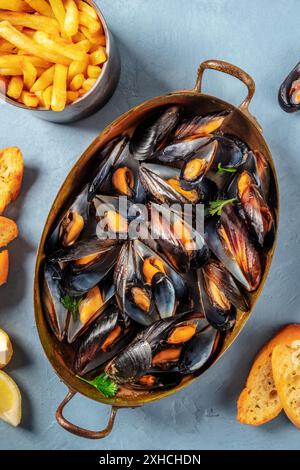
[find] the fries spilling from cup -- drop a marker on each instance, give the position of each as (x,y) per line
(51,52)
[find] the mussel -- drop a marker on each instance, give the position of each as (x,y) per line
(100,337)
(72,224)
(181,149)
(163,184)
(228,239)
(182,244)
(220,295)
(56,314)
(289,91)
(152,131)
(147,287)
(254,207)
(198,165)
(201,125)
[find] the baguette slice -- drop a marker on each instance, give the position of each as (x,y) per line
(11,174)
(4,266)
(259,402)
(8,231)
(286,372)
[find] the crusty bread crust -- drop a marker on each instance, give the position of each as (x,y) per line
(4,266)
(11,175)
(8,231)
(286,372)
(259,401)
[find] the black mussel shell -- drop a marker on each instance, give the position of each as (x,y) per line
(131,363)
(154,381)
(201,125)
(93,339)
(164,295)
(284,94)
(199,352)
(257,164)
(191,173)
(105,168)
(56,313)
(82,249)
(181,149)
(152,131)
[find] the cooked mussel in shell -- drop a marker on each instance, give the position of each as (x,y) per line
(201,125)
(289,91)
(56,314)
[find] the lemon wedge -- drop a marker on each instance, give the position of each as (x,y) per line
(10,400)
(6,350)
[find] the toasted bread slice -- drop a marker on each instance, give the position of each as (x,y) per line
(8,231)
(11,174)
(4,266)
(286,373)
(259,402)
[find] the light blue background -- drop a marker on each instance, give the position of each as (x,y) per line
(161,43)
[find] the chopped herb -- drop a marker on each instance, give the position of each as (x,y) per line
(216,207)
(103,384)
(71,304)
(221,169)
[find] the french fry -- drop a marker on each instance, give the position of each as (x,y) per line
(14,60)
(81,92)
(59,92)
(10,71)
(95,38)
(47,96)
(15,87)
(86,20)
(20,40)
(98,57)
(29,99)
(78,37)
(44,81)
(71,53)
(83,6)
(72,96)
(93,71)
(41,6)
(71,23)
(83,46)
(4,266)
(15,5)
(29,73)
(3,86)
(59,13)
(77,67)
(40,97)
(89,83)
(77,82)
(6,46)
(48,25)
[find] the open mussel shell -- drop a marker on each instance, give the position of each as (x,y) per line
(147,287)
(155,381)
(201,125)
(77,282)
(56,314)
(228,239)
(104,170)
(91,306)
(163,184)
(94,339)
(83,253)
(254,208)
(220,296)
(199,352)
(184,246)
(259,167)
(181,149)
(289,91)
(152,131)
(71,225)
(197,166)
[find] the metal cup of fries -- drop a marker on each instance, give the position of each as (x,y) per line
(57,58)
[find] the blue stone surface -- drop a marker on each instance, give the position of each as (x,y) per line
(161,43)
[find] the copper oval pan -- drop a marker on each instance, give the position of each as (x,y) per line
(241,123)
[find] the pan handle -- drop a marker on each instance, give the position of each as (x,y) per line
(81,431)
(235,71)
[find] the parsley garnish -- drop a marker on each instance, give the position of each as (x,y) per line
(103,384)
(71,304)
(215,207)
(221,169)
